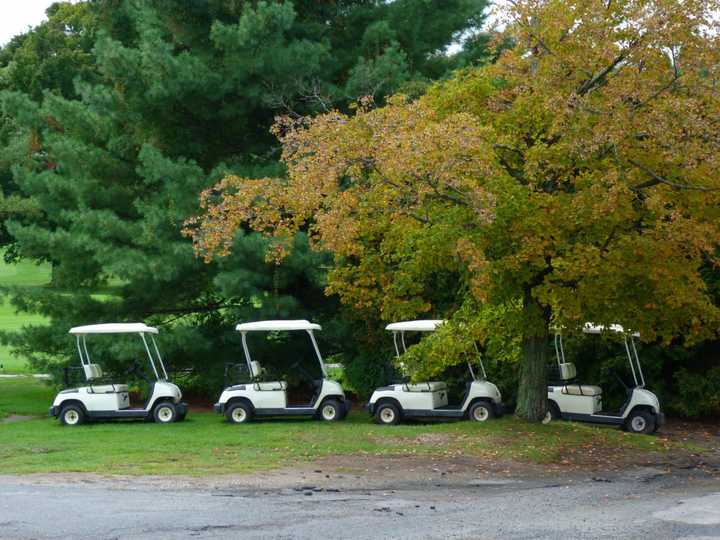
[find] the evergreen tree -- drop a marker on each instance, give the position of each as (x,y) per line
(181,94)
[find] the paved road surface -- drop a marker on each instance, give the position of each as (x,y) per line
(643,504)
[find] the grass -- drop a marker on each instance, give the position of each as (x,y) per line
(204,444)
(23,274)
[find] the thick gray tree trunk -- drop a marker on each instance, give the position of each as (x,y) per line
(532,389)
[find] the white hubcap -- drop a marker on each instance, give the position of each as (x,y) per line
(72,417)
(165,414)
(238,414)
(329,412)
(638,423)
(387,415)
(481,414)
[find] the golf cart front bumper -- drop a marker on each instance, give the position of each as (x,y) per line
(347,404)
(219,408)
(660,419)
(54,411)
(370,408)
(500,409)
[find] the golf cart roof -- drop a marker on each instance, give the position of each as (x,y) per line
(426,325)
(591,328)
(270,326)
(114,328)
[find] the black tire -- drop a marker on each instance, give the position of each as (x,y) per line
(640,422)
(387,414)
(481,411)
(554,410)
(238,413)
(331,410)
(165,413)
(181,417)
(72,415)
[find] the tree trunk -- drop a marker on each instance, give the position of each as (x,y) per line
(532,390)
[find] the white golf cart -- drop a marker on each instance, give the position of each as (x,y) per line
(390,404)
(570,400)
(241,402)
(101,399)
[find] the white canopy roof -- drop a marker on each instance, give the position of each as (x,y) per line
(269,326)
(426,325)
(591,328)
(114,328)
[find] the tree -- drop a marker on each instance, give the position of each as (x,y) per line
(185,92)
(48,58)
(572,180)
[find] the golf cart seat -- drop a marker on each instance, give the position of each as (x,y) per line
(93,372)
(108,388)
(273,385)
(567,371)
(581,390)
(426,387)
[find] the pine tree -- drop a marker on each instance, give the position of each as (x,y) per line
(185,93)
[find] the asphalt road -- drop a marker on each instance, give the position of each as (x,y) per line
(646,503)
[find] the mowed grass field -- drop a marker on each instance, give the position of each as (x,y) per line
(23,274)
(204,444)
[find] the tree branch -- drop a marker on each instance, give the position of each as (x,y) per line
(658,179)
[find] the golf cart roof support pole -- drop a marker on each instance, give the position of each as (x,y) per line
(82,360)
(480,361)
(397,349)
(402,338)
(247,355)
(317,351)
(637,361)
(557,350)
(87,354)
(157,351)
(152,361)
(632,363)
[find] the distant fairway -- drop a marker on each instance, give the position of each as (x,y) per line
(24,274)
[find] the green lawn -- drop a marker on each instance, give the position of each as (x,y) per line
(23,274)
(205,444)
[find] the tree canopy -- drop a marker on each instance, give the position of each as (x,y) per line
(572,180)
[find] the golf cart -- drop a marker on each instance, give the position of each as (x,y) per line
(390,404)
(570,400)
(255,397)
(101,399)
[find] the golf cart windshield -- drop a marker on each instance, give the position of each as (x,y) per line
(425,325)
(630,350)
(93,370)
(279,326)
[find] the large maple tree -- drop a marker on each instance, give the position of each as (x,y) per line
(574,179)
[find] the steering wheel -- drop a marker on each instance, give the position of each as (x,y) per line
(303,371)
(137,371)
(625,386)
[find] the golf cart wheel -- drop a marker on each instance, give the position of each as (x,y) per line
(165,413)
(553,411)
(72,415)
(640,422)
(387,414)
(481,411)
(331,410)
(238,413)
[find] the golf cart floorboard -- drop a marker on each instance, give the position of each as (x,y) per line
(288,411)
(597,418)
(444,412)
(126,413)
